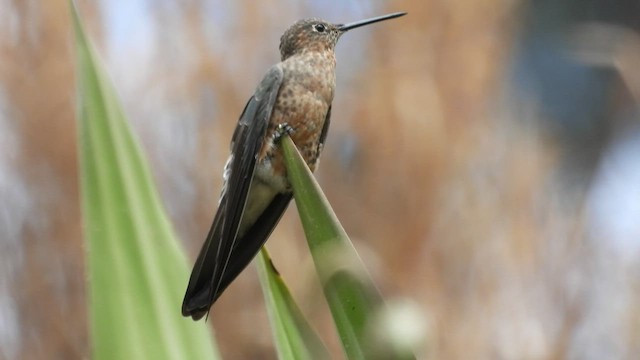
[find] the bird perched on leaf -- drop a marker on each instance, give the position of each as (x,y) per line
(293,98)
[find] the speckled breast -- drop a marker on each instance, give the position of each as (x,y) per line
(303,102)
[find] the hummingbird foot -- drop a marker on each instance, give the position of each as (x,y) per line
(281,130)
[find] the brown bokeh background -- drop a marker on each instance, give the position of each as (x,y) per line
(478,157)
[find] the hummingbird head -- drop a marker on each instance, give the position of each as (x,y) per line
(319,35)
(309,35)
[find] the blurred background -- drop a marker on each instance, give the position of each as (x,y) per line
(483,156)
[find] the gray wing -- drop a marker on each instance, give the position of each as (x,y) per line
(215,268)
(257,234)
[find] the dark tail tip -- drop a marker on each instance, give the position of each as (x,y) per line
(195,314)
(195,309)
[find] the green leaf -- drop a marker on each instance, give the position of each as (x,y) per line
(137,269)
(293,336)
(355,302)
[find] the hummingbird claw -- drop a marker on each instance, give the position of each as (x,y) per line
(281,130)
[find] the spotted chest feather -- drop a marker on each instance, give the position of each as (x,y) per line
(302,103)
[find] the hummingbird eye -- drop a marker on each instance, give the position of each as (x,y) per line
(319,28)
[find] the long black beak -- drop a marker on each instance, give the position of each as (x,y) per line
(353,25)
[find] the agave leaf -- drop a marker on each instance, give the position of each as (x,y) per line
(293,336)
(137,269)
(354,300)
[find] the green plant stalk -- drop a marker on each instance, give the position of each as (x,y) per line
(293,336)
(136,267)
(352,296)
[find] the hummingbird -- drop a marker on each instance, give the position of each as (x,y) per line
(293,98)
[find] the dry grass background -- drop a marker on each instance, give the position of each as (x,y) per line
(450,185)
